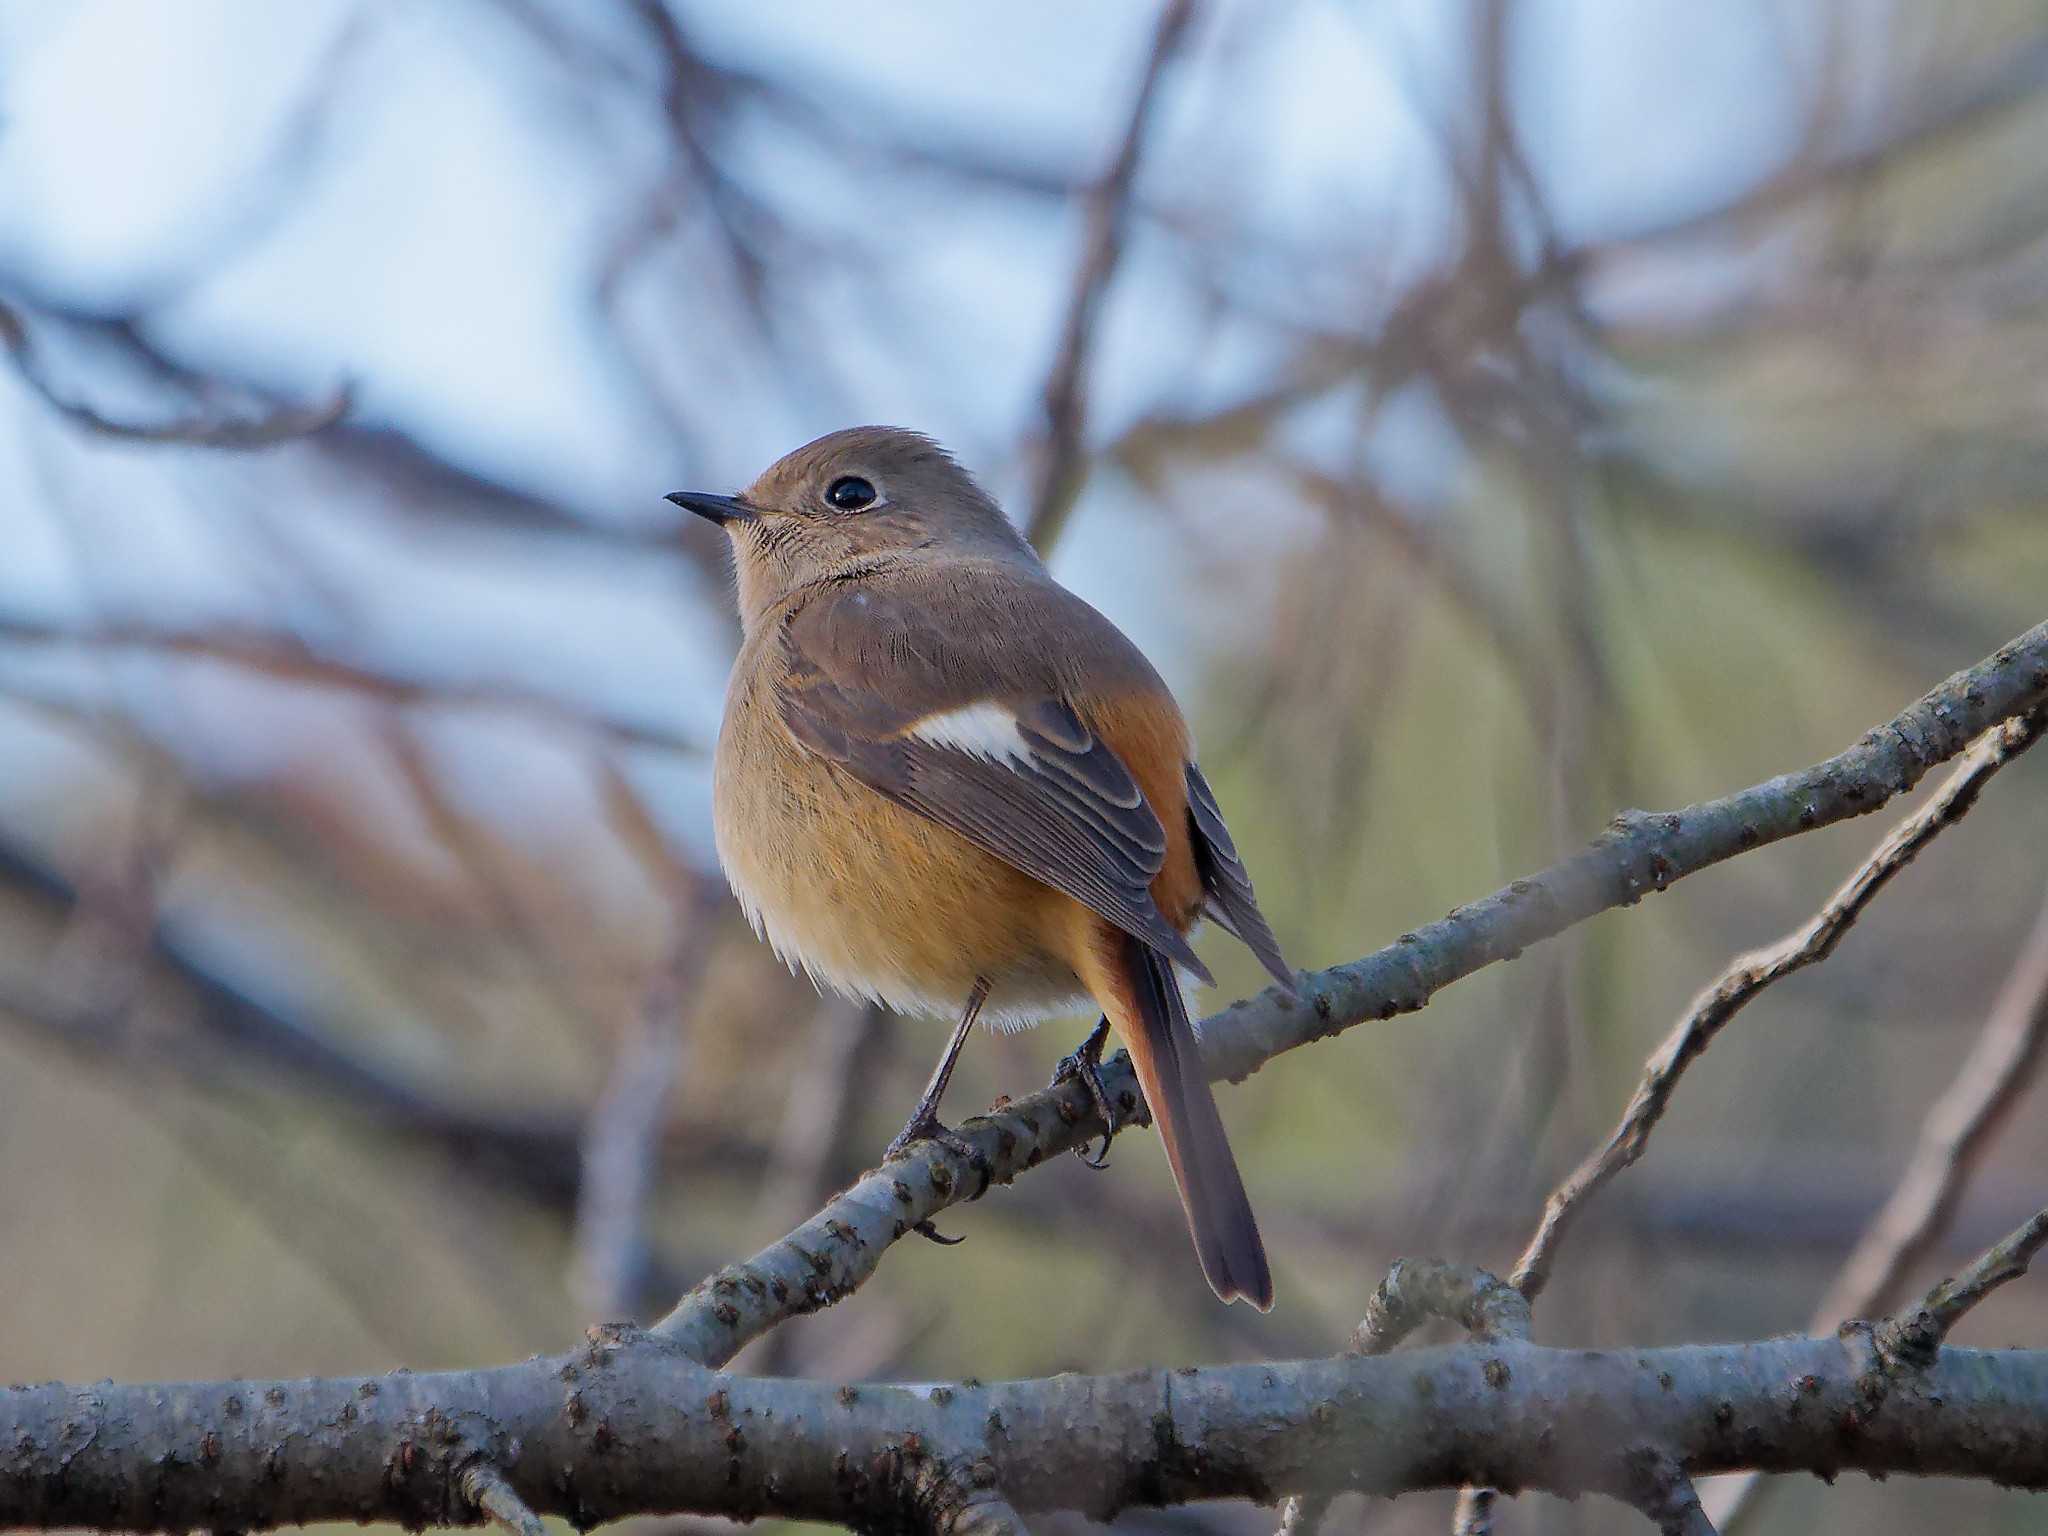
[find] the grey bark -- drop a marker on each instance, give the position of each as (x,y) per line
(839,1248)
(638,1422)
(626,1425)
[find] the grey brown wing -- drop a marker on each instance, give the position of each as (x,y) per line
(1022,777)
(1228,883)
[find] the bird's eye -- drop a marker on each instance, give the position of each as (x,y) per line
(849,493)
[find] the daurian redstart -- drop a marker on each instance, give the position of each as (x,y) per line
(943,778)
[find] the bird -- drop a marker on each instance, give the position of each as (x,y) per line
(947,784)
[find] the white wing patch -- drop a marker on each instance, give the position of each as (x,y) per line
(987,731)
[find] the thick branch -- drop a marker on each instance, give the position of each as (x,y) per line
(624,1427)
(1482,1304)
(834,1252)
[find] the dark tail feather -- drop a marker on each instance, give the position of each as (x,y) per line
(1169,1063)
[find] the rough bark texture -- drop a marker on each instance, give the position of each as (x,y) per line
(840,1247)
(639,1422)
(626,1426)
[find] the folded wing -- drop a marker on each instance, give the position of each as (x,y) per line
(1014,769)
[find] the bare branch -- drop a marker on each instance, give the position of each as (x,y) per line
(834,1252)
(1057,463)
(534,1154)
(290,658)
(2018,75)
(485,1487)
(276,425)
(1913,1337)
(1952,1142)
(1665,1495)
(1641,854)
(1417,1290)
(622,1137)
(1303,1515)
(623,1426)
(1953,1138)
(1749,976)
(671,1437)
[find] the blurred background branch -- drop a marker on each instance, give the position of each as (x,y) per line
(1488,414)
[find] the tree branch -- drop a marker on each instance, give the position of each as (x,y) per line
(1952,1141)
(1913,1337)
(276,424)
(623,1426)
(292,660)
(632,1423)
(1953,1137)
(1057,460)
(1750,975)
(839,1248)
(485,1487)
(1414,1292)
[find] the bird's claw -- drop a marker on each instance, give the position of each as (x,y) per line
(1086,1063)
(926,1126)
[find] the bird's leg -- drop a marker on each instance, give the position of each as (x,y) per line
(924,1123)
(1086,1064)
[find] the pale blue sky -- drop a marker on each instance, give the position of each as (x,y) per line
(439,237)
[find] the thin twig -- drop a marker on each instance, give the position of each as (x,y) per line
(1953,1138)
(1738,986)
(1952,1142)
(1914,1337)
(291,659)
(1666,1496)
(1485,1306)
(277,424)
(832,1080)
(1472,1515)
(485,1487)
(622,1137)
(1417,1291)
(1750,975)
(1057,462)
(835,1252)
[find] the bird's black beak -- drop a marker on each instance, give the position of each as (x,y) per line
(719,509)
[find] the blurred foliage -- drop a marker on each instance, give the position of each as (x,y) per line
(354,877)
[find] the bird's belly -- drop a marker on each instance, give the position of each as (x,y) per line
(875,901)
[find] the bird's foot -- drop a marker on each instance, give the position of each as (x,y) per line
(1086,1064)
(925,1125)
